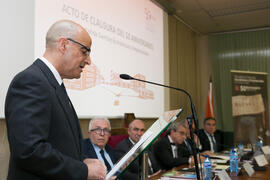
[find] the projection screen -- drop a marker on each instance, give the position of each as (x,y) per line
(127,37)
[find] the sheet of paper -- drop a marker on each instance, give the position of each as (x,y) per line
(221,167)
(248,168)
(224,157)
(219,161)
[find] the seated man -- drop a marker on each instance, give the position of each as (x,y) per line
(168,151)
(135,131)
(210,138)
(187,145)
(96,145)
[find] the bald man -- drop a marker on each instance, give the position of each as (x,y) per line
(135,130)
(43,128)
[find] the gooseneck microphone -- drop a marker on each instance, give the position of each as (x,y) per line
(125,76)
(128,77)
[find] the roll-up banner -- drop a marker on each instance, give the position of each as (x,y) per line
(250,108)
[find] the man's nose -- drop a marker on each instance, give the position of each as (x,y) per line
(88,60)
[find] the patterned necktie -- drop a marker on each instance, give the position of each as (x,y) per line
(107,164)
(214,143)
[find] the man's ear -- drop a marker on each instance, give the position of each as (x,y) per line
(62,45)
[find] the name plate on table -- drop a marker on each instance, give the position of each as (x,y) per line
(223,175)
(248,168)
(261,160)
(266,150)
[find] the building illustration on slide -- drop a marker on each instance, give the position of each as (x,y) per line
(92,77)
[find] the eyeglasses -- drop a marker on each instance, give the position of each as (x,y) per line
(85,53)
(98,131)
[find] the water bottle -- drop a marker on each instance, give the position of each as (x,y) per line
(259,144)
(241,149)
(233,163)
(207,167)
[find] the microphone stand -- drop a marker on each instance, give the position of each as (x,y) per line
(193,111)
(193,143)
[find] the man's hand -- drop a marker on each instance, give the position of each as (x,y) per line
(201,159)
(96,169)
(209,153)
(155,174)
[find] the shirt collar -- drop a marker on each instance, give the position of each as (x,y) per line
(131,141)
(208,133)
(96,148)
(53,70)
(170,139)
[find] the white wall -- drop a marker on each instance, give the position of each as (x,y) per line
(16,41)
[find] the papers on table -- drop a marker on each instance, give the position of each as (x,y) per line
(220,157)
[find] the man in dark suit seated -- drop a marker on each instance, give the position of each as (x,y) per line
(135,130)
(168,149)
(96,146)
(187,144)
(210,138)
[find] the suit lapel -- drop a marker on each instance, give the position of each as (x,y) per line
(70,114)
(169,145)
(110,152)
(64,101)
(91,151)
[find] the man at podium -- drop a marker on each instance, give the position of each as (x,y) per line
(43,128)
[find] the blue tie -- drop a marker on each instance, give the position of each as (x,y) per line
(214,144)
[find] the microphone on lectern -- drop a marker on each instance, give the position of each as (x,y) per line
(128,77)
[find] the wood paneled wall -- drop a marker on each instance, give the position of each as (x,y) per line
(183,65)
(4,146)
(4,150)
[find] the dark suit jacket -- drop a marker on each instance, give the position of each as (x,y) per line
(132,173)
(206,143)
(164,155)
(43,129)
(89,151)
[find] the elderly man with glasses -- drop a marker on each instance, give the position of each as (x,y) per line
(96,146)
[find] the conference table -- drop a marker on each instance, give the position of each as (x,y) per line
(260,175)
